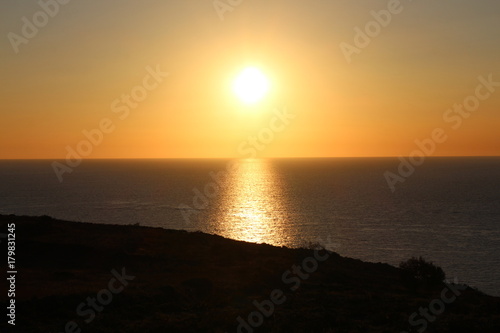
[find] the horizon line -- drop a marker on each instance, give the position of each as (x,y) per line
(267,157)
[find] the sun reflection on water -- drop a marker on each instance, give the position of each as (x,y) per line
(251,207)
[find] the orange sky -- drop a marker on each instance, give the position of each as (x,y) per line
(65,78)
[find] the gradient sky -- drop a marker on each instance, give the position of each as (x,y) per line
(396,90)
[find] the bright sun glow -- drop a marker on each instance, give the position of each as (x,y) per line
(251,85)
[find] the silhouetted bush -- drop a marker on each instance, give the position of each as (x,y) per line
(416,272)
(312,246)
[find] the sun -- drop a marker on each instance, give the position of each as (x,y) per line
(251,85)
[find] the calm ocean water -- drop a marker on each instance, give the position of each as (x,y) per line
(448,211)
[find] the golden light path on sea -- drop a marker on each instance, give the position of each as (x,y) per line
(251,206)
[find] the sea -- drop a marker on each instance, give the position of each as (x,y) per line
(445,209)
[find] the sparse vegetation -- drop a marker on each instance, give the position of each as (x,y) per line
(310,245)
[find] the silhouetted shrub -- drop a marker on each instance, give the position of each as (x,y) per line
(416,272)
(314,246)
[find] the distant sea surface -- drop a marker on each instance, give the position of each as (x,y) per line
(447,211)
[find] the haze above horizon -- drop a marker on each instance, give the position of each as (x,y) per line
(157,79)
